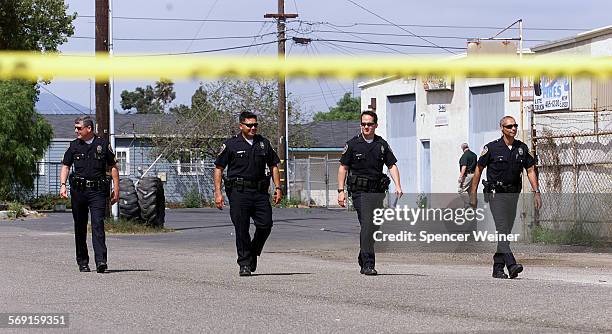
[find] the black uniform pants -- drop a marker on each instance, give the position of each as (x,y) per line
(503,209)
(364,204)
(84,201)
(244,205)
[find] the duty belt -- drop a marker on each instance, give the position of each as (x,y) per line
(364,184)
(81,183)
(241,183)
(500,187)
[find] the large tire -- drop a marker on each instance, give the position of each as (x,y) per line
(128,200)
(152,201)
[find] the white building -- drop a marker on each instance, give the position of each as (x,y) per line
(425,122)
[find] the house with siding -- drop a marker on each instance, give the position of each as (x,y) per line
(135,155)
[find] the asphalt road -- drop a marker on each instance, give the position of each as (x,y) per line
(307,281)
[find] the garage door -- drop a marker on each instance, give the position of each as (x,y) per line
(401,132)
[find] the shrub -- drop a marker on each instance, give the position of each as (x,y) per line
(192,199)
(48,202)
(15,210)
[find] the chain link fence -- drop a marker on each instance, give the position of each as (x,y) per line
(314,181)
(575,175)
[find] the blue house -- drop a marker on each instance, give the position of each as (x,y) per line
(135,155)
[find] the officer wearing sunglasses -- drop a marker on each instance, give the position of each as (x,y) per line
(246,156)
(363,159)
(91,156)
(505,158)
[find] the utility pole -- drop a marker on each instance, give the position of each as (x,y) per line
(282,132)
(102,87)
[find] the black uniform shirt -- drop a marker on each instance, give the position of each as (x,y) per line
(245,160)
(505,164)
(367,159)
(90,160)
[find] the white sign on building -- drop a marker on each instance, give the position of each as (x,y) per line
(555,95)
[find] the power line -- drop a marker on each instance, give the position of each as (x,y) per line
(201,51)
(392,44)
(508,27)
(66,102)
(202,25)
(132,18)
(349,25)
(367,40)
(346,47)
(405,35)
(346,25)
(263,25)
(326,83)
(136,39)
(404,29)
(179,39)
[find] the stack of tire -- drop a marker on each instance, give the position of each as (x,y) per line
(152,201)
(128,200)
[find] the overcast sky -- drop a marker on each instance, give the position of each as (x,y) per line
(442,26)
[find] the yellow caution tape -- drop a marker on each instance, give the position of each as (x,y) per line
(36,66)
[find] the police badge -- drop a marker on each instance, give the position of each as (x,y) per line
(221,150)
(484,151)
(382,149)
(99,149)
(520,151)
(262,145)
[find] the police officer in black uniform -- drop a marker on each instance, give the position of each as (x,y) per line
(246,156)
(505,158)
(89,186)
(363,159)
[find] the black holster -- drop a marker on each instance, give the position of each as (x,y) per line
(487,190)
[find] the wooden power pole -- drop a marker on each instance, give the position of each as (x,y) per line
(281,133)
(102,87)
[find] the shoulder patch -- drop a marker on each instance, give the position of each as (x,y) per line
(345,148)
(485,150)
(221,150)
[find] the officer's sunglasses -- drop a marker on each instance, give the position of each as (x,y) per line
(510,126)
(367,124)
(79,128)
(250,125)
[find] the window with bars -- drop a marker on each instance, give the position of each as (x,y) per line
(190,162)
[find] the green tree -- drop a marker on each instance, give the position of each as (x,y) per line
(24,137)
(26,25)
(34,25)
(149,100)
(347,108)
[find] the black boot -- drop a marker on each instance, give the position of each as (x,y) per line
(514,270)
(244,271)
